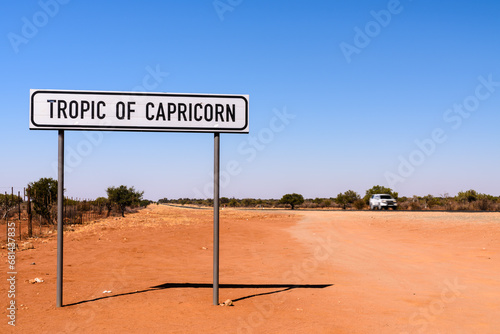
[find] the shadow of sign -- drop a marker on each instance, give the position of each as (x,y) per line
(280,288)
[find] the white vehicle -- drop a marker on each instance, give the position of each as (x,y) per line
(384,201)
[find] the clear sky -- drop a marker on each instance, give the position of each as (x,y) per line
(343,94)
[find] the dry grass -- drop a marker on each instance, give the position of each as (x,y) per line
(157,216)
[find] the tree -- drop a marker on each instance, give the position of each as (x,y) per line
(247,202)
(8,202)
(292,199)
(317,201)
(341,200)
(431,201)
(123,197)
(102,202)
(44,198)
(467,196)
(349,197)
(145,202)
(379,190)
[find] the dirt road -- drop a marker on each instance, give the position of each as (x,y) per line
(286,272)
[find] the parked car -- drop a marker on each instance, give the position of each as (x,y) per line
(383,201)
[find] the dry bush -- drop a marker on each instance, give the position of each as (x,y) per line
(460,206)
(326,203)
(415,205)
(359,204)
(484,205)
(309,205)
(403,205)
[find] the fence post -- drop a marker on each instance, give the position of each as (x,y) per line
(30,216)
(6,227)
(19,204)
(6,220)
(19,213)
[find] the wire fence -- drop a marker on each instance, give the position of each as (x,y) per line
(21,221)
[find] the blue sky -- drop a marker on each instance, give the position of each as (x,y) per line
(343,94)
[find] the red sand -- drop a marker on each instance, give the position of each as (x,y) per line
(285,271)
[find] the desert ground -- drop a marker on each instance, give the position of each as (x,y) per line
(284,271)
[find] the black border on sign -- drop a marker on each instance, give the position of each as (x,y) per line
(136,128)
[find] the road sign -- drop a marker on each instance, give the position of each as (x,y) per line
(136,111)
(130,111)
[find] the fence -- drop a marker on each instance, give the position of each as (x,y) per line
(17,210)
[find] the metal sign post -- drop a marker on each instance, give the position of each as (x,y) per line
(60,221)
(216,217)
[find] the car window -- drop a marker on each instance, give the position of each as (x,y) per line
(385,197)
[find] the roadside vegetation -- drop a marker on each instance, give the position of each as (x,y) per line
(39,203)
(469,200)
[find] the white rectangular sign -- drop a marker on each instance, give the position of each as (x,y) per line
(136,111)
